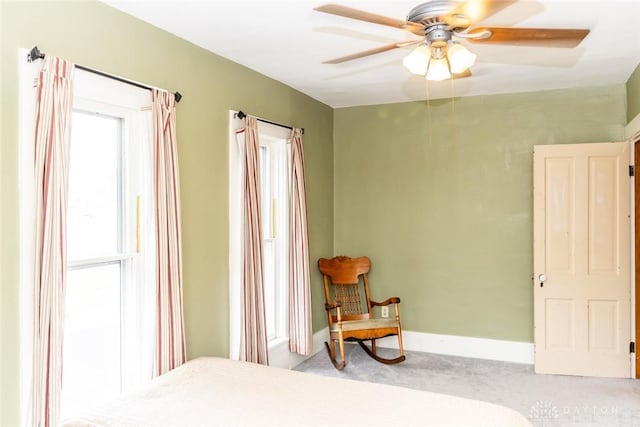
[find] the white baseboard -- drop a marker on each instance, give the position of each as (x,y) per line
(318,345)
(479,348)
(280,357)
(453,345)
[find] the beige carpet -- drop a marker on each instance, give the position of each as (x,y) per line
(547,400)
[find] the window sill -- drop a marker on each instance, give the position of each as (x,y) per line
(279,355)
(277,342)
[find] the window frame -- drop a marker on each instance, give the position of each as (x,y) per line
(120,258)
(279,354)
(276,225)
(129,254)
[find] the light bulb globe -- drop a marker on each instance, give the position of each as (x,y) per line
(417,62)
(438,70)
(460,58)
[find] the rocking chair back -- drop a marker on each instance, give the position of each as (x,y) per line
(342,283)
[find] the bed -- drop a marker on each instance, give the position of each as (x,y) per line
(212,391)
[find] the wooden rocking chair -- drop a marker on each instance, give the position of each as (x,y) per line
(351,317)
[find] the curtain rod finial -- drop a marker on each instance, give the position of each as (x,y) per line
(35,54)
(178,96)
(241,115)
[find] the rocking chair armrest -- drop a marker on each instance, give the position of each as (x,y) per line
(332,304)
(392,300)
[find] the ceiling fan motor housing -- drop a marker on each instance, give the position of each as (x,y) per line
(438,35)
(431,13)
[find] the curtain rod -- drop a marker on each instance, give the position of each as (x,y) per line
(241,115)
(36,54)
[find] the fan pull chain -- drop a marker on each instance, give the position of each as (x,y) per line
(454,119)
(429,112)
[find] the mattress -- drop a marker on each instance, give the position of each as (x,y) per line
(220,392)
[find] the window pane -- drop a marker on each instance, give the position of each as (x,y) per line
(269,268)
(94,183)
(91,373)
(265,192)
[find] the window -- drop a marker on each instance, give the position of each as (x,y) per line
(99,263)
(274,196)
(108,329)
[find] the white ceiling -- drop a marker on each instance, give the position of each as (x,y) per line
(288,40)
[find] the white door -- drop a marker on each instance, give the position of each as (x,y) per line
(581,259)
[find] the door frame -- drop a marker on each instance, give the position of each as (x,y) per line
(633,277)
(635,203)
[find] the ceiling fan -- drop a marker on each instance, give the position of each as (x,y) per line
(440,24)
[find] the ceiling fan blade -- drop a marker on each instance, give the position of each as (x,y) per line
(534,56)
(347,12)
(472,11)
(547,37)
(377,50)
(462,75)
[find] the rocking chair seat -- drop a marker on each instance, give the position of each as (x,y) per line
(369,324)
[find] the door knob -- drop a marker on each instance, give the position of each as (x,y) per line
(542,278)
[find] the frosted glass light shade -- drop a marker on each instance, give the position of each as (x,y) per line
(438,70)
(417,61)
(460,58)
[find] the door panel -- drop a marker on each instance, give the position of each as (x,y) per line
(603,318)
(559,232)
(581,245)
(560,324)
(604,218)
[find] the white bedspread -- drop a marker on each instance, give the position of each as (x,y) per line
(221,392)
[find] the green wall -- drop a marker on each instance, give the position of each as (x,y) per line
(439,196)
(633,94)
(92,34)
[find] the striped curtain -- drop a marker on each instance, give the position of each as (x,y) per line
(253,333)
(51,167)
(170,346)
(300,332)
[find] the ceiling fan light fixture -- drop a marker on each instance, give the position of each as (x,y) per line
(439,23)
(460,58)
(438,70)
(417,62)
